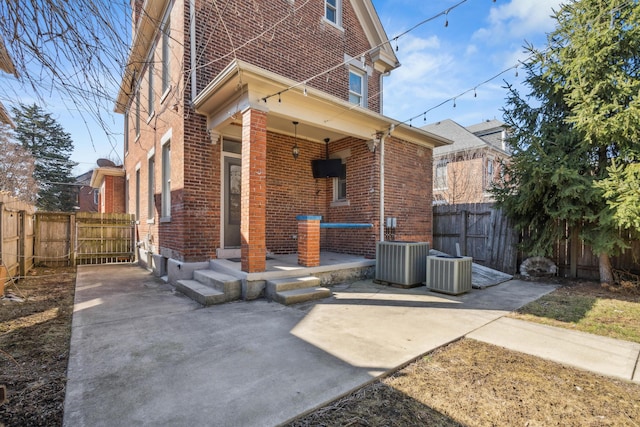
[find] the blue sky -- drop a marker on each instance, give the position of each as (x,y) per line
(482,38)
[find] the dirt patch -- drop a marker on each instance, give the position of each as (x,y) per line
(34,347)
(476,384)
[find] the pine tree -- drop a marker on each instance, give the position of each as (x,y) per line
(16,168)
(575,139)
(51,146)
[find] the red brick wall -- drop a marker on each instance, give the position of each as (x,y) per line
(363,182)
(408,188)
(299,47)
(113,196)
(291,190)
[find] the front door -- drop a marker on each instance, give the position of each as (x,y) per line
(232,198)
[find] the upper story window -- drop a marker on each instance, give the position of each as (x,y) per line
(165,57)
(440,181)
(490,173)
(356,88)
(151,91)
(333,11)
(137,118)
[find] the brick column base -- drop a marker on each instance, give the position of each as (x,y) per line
(308,240)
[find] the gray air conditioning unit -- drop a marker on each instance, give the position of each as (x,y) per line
(448,274)
(401,263)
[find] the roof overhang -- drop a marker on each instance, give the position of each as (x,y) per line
(99,174)
(383,57)
(241,86)
(150,18)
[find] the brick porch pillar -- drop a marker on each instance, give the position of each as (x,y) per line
(254,190)
(308,240)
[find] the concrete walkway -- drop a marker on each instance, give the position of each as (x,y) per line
(143,355)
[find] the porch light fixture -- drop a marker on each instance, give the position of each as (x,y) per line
(295,150)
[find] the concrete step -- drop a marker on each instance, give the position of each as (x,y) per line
(295,296)
(290,283)
(199,292)
(229,285)
(293,290)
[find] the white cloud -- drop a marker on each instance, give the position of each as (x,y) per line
(518,19)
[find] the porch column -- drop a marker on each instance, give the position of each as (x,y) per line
(308,240)
(254,190)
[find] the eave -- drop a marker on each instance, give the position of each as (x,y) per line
(320,115)
(383,56)
(99,174)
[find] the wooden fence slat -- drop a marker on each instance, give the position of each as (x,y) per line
(492,241)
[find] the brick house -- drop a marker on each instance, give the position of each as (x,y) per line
(87,196)
(227,107)
(109,181)
(464,171)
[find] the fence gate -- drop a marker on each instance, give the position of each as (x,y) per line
(482,232)
(104,238)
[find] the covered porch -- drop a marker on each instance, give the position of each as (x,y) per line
(275,120)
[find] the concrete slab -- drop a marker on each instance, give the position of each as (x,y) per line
(144,355)
(603,355)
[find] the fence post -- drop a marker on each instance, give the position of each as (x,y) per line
(72,239)
(22,241)
(573,252)
(463,230)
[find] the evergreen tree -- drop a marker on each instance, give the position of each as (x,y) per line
(51,147)
(16,168)
(575,138)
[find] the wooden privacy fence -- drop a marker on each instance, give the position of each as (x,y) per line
(486,234)
(482,232)
(16,237)
(84,238)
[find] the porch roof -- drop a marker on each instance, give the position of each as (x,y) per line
(320,115)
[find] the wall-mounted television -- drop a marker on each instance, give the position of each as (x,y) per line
(326,168)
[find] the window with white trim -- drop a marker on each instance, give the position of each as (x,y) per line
(440,181)
(166,180)
(151,93)
(333,11)
(356,87)
(165,56)
(138,194)
(137,118)
(151,164)
(490,173)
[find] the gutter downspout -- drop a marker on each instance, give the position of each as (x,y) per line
(382,188)
(382,75)
(192,16)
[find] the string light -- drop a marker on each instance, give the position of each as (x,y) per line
(368,51)
(446,19)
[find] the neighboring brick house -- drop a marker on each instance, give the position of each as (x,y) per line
(215,163)
(464,171)
(109,181)
(87,196)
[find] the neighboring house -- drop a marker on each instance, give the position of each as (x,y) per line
(87,196)
(6,65)
(464,171)
(109,181)
(227,107)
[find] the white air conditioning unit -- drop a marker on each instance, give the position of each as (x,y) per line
(401,263)
(450,275)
